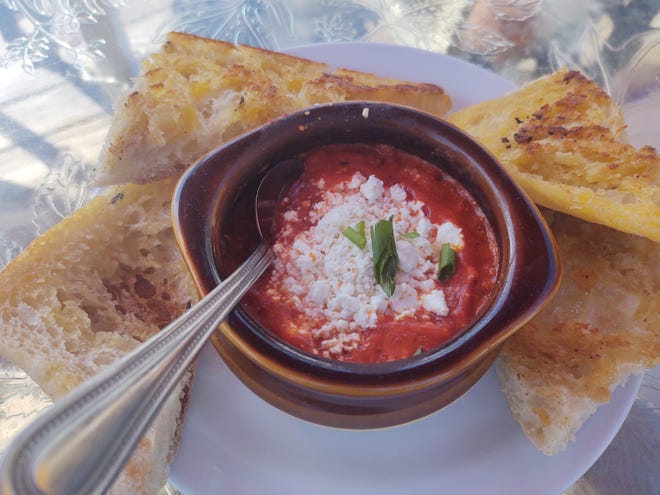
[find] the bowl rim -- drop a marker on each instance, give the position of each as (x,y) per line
(278,134)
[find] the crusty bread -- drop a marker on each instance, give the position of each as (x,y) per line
(602,326)
(91,289)
(197,93)
(561,137)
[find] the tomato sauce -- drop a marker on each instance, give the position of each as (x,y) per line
(326,312)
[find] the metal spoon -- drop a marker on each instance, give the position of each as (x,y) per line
(80,445)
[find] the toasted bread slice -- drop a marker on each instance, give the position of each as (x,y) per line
(197,93)
(91,289)
(602,326)
(561,137)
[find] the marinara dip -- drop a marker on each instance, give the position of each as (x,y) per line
(322,293)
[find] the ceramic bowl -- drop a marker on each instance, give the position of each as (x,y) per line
(363,395)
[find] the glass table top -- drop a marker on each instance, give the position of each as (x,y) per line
(64,64)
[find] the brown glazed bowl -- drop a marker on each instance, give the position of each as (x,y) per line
(356,395)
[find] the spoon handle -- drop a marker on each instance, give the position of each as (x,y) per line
(80,445)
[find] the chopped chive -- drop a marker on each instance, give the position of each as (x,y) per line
(447,263)
(356,235)
(410,235)
(386,260)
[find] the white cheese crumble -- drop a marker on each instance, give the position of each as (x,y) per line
(331,279)
(435,303)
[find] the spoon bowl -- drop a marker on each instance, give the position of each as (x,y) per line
(269,193)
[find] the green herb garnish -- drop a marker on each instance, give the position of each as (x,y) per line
(356,235)
(447,263)
(386,260)
(410,235)
(418,351)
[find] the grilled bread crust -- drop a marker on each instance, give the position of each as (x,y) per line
(90,290)
(197,93)
(562,138)
(602,326)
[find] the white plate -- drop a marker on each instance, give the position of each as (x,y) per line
(235,443)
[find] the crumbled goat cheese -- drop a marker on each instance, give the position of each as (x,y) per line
(449,233)
(373,189)
(434,302)
(332,279)
(291,216)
